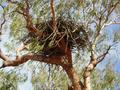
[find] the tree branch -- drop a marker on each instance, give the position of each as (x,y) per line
(102,57)
(90,67)
(54,23)
(100,26)
(25,12)
(57,60)
(4,19)
(3,56)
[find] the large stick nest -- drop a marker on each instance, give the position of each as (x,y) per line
(72,32)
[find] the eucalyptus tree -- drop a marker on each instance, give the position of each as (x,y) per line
(50,31)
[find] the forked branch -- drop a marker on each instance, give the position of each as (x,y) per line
(25,12)
(56,60)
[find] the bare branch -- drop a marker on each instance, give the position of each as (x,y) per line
(113,21)
(4,19)
(111,10)
(3,56)
(14,2)
(57,60)
(53,16)
(102,57)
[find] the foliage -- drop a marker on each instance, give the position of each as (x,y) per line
(47,78)
(105,79)
(8,81)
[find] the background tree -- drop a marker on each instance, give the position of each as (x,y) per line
(10,79)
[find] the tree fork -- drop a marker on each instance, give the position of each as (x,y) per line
(74,78)
(68,67)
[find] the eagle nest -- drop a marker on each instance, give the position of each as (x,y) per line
(73,33)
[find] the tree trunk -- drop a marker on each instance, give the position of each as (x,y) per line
(68,67)
(87,73)
(87,80)
(76,85)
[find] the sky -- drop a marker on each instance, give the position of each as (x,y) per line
(114,54)
(26,85)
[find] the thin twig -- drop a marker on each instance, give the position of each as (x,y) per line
(102,57)
(4,19)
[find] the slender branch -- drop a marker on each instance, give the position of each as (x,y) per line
(102,57)
(14,2)
(112,22)
(3,56)
(93,61)
(54,23)
(99,26)
(4,19)
(115,23)
(111,10)
(22,13)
